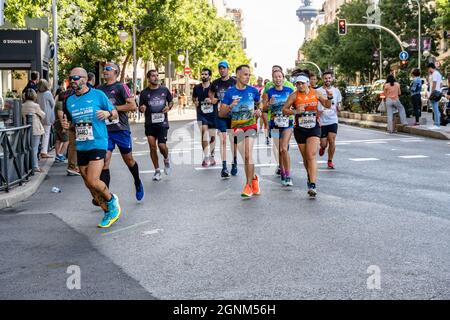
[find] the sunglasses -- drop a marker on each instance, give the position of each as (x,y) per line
(109,68)
(75,78)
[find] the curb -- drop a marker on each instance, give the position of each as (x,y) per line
(27,189)
(400,128)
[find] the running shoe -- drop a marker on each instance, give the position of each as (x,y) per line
(205,162)
(255,186)
(212,162)
(157,176)
(312,190)
(73,172)
(283,181)
(59,158)
(113,213)
(330,164)
(267,141)
(140,192)
(278,171)
(234,169)
(321,151)
(288,182)
(247,192)
(225,173)
(167,168)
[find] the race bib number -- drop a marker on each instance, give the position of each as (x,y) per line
(109,122)
(207,108)
(307,120)
(84,132)
(158,117)
(281,121)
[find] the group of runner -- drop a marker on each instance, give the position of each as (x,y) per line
(228,105)
(233,107)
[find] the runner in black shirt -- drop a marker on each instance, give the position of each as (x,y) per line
(206,117)
(155,102)
(216,93)
(119,132)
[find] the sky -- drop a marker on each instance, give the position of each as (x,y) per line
(273,32)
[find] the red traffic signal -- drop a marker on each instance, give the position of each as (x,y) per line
(342,26)
(404,62)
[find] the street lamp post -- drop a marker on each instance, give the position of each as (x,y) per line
(419,40)
(55,41)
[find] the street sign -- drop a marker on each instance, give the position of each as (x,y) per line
(187,70)
(181,58)
(403,55)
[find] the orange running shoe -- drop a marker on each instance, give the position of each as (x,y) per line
(255,185)
(247,192)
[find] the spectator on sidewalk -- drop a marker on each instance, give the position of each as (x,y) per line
(182,101)
(30,106)
(61,135)
(32,83)
(434,87)
(47,104)
(416,98)
(72,164)
(392,93)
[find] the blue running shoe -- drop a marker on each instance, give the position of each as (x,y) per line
(234,169)
(106,221)
(140,192)
(113,213)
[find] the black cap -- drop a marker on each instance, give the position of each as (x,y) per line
(431,65)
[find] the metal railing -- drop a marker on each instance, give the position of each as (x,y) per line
(16,155)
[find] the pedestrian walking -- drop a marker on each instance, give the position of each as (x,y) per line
(434,87)
(47,104)
(416,95)
(30,106)
(392,92)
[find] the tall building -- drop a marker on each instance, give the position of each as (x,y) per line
(236,16)
(330,9)
(306,14)
(220,6)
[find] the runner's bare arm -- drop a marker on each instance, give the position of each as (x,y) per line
(211,96)
(324,100)
(265,102)
(288,104)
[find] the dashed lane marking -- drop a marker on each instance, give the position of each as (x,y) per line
(363,159)
(419,156)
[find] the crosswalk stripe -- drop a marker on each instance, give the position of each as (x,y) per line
(419,156)
(363,159)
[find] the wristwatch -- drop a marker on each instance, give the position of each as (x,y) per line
(330,98)
(110,115)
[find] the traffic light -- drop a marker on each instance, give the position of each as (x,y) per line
(404,63)
(342,26)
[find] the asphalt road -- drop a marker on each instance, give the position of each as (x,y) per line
(386,207)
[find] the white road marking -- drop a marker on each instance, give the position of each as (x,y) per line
(222,193)
(419,156)
(448,154)
(141,143)
(363,159)
(376,142)
(147,171)
(127,228)
(218,167)
(155,231)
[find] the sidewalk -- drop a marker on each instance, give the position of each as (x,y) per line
(376,121)
(28,188)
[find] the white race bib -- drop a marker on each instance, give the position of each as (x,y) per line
(158,117)
(307,120)
(207,108)
(84,132)
(281,121)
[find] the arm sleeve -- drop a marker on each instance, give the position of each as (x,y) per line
(125,91)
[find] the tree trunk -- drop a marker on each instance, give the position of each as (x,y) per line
(124,66)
